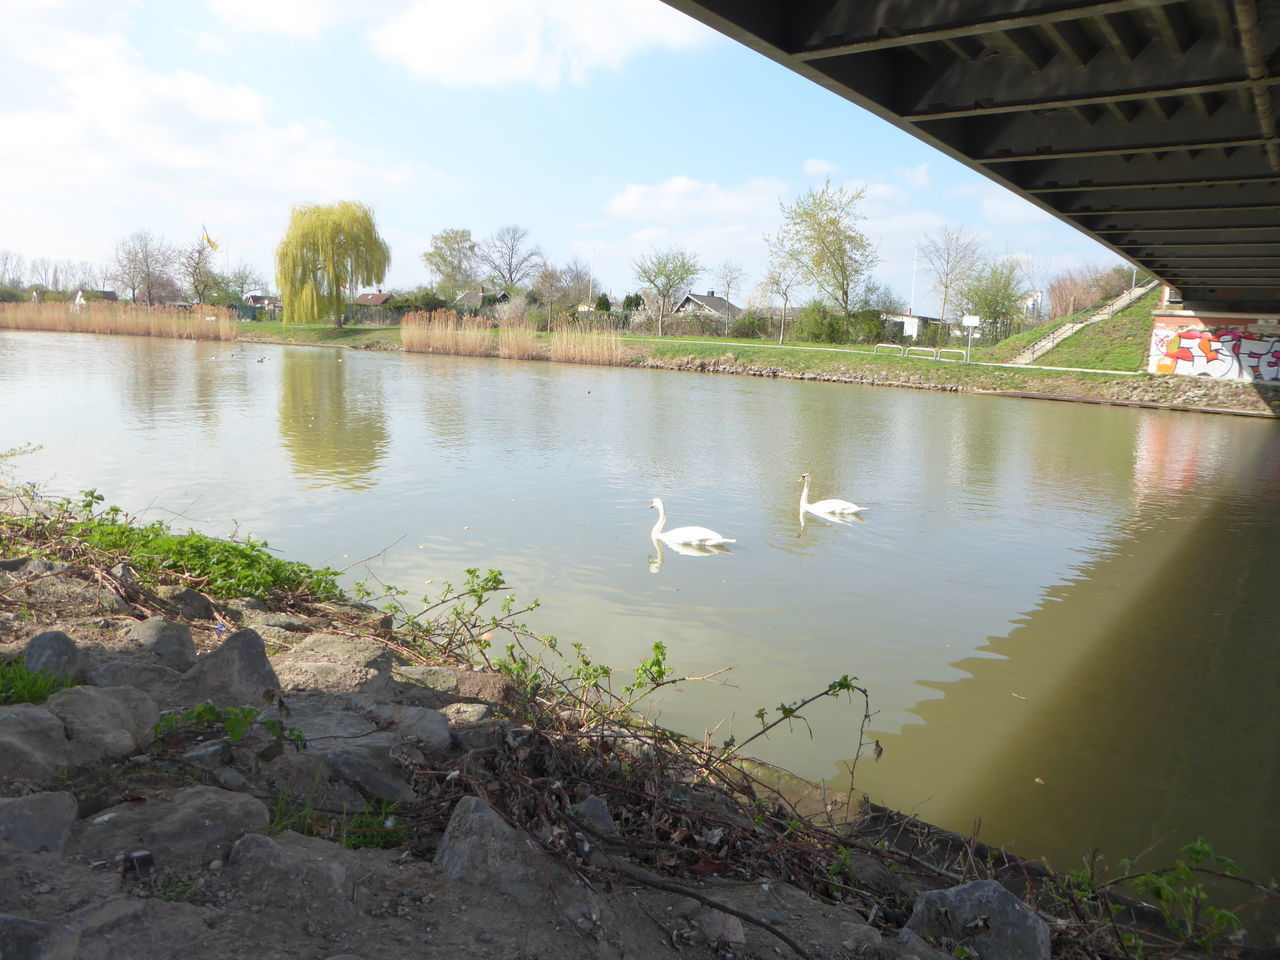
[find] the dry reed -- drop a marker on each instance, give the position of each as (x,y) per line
(520,343)
(588,346)
(443,331)
(202,323)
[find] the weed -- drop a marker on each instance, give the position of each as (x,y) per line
(224,568)
(211,323)
(235,722)
(20,685)
(374,827)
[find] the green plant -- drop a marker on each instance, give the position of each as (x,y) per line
(1179,892)
(20,685)
(224,568)
(374,827)
(235,722)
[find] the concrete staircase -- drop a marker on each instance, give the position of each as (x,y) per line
(1105,312)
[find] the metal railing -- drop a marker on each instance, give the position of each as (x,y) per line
(888,346)
(1084,318)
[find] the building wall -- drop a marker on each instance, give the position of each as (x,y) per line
(1219,345)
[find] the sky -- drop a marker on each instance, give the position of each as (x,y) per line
(606,128)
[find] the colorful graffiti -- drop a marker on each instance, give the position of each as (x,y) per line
(1222,354)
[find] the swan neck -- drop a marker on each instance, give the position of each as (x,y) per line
(804,495)
(662,518)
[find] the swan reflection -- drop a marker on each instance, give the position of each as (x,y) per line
(685,549)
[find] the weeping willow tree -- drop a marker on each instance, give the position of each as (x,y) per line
(327,250)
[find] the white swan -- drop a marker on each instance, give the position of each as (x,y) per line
(828,509)
(694,536)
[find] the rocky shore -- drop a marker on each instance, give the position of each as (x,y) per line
(293,778)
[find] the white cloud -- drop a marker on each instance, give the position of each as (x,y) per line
(112,144)
(916,177)
(1001,206)
(814,167)
(294,18)
(683,200)
(494,43)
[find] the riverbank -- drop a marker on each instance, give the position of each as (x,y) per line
(365,785)
(791,361)
(847,365)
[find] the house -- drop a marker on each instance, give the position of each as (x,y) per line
(475,299)
(370,309)
(911,325)
(708,305)
(259,300)
(376,299)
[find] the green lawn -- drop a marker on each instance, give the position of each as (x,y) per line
(1120,343)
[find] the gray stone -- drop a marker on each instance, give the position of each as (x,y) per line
(236,673)
(278,636)
(125,572)
(187,602)
(305,876)
(170,642)
(71,597)
(209,756)
(104,722)
(198,820)
(476,737)
(375,777)
(422,723)
(52,652)
(333,661)
(365,614)
(162,683)
(483,849)
(33,743)
(40,821)
(251,604)
(596,813)
(443,679)
(286,621)
(38,567)
(984,915)
(23,939)
(466,714)
(716,926)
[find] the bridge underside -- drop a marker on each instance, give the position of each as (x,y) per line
(1151,125)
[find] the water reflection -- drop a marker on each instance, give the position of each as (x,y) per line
(332,420)
(685,550)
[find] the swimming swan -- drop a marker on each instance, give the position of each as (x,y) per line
(695,536)
(829,509)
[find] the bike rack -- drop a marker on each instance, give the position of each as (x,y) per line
(931,353)
(889,346)
(964,354)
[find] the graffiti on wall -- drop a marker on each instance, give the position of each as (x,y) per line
(1222,354)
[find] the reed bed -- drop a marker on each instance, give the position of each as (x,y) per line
(126,319)
(443,331)
(520,343)
(572,345)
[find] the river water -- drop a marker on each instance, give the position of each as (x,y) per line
(1065,614)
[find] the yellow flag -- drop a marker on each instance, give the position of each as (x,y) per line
(208,239)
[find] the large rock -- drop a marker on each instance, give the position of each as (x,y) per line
(235,674)
(306,876)
(422,723)
(40,821)
(104,722)
(65,594)
(186,602)
(33,743)
(163,684)
(52,652)
(483,849)
(985,916)
(24,939)
(198,820)
(331,661)
(168,641)
(375,776)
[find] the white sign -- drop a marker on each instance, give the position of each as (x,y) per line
(969,320)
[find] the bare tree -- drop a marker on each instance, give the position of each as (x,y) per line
(667,272)
(729,276)
(240,280)
(952,256)
(85,275)
(578,282)
(43,273)
(1075,288)
(13,268)
(143,265)
(507,258)
(194,264)
(782,279)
